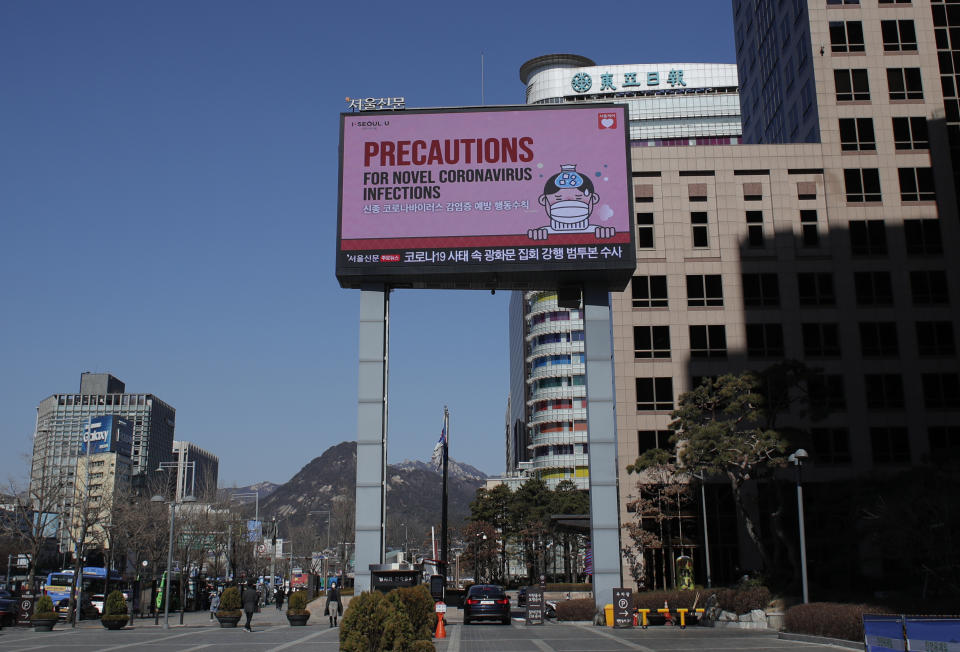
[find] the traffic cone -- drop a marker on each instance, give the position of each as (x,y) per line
(441,630)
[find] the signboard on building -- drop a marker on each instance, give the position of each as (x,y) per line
(107,433)
(527,196)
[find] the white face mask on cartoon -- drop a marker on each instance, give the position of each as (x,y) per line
(569,211)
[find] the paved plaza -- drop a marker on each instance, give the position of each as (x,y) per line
(273,633)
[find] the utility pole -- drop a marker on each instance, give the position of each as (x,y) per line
(443,513)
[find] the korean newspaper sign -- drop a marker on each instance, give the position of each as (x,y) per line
(501,197)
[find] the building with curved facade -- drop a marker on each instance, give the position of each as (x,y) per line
(669,104)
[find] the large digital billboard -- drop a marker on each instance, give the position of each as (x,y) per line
(506,197)
(107,434)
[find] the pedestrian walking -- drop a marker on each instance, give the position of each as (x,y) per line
(333,607)
(214,604)
(278,597)
(250,598)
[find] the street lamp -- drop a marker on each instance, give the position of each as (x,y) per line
(182,476)
(166,585)
(480,536)
(797,459)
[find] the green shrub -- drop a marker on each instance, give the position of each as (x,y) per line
(654,600)
(397,629)
(569,587)
(116,606)
(297,604)
(830,619)
(422,646)
(362,628)
(43,608)
(579,609)
(230,602)
(420,609)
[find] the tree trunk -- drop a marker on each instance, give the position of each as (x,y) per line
(748,522)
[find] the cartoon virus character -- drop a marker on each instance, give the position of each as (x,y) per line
(568,199)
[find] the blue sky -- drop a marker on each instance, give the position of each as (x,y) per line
(168,197)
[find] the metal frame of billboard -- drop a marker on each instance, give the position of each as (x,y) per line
(540,256)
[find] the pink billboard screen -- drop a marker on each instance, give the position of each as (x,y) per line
(505,197)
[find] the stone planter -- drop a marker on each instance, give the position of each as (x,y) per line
(43,624)
(114,623)
(297,620)
(228,621)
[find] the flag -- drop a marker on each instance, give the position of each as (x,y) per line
(437,457)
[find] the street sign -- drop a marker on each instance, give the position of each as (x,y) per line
(534,606)
(622,608)
(441,607)
(25,609)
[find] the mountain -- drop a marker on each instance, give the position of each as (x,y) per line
(327,484)
(263,488)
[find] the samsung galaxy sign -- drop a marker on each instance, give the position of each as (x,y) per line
(106,434)
(528,196)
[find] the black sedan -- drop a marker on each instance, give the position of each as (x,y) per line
(486,602)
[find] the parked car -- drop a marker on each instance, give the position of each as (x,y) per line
(8,609)
(87,610)
(486,602)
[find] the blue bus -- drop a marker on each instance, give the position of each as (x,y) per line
(59,585)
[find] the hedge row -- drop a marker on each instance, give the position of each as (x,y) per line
(404,619)
(579,609)
(739,600)
(831,619)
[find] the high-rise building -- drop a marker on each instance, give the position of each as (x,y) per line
(102,476)
(197,470)
(63,419)
(671,104)
(825,239)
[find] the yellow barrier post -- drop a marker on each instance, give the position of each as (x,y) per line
(644,613)
(683,617)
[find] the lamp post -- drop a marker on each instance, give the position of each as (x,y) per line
(480,537)
(182,477)
(166,585)
(796,459)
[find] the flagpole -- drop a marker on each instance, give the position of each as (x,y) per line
(443,517)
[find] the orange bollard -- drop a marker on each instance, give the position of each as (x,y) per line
(441,630)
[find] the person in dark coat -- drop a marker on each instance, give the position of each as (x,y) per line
(333,607)
(250,599)
(278,597)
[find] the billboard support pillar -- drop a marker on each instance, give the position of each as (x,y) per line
(373,374)
(602,438)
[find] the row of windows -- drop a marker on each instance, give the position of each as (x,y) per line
(103,399)
(853,85)
(897,35)
(857,134)
(889,445)
(863,184)
(877,340)
(762,290)
(941,391)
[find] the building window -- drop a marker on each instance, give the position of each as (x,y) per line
(842,2)
(898,35)
(935,338)
(708,342)
(922,237)
(862,184)
(654,393)
(645,230)
(650,439)
(764,340)
(904,83)
(761,290)
(916,184)
(826,393)
(941,391)
(884,391)
(944,442)
(649,291)
(910,133)
(878,339)
(816,289)
(698,220)
(873,288)
(651,341)
(846,36)
(808,228)
(929,287)
(704,290)
(894,2)
(755,228)
(868,238)
(830,445)
(820,340)
(852,84)
(857,134)
(890,445)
